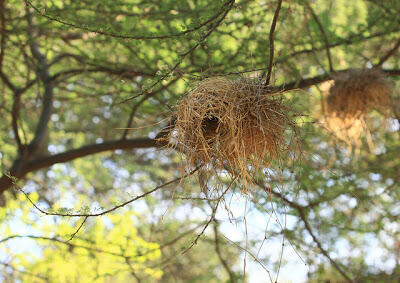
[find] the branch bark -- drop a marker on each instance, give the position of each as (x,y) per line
(14,119)
(305,83)
(324,36)
(219,253)
(3,31)
(44,76)
(21,169)
(271,42)
(388,55)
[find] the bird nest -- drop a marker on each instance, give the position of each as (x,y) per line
(353,95)
(232,126)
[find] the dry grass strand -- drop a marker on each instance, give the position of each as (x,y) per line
(231,125)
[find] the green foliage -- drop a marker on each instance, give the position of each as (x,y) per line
(107,248)
(125,64)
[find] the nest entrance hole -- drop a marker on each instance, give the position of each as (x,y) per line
(210,127)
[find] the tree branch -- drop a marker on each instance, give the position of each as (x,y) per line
(44,76)
(346,41)
(300,209)
(3,32)
(218,250)
(136,106)
(45,279)
(319,245)
(122,73)
(14,119)
(19,170)
(126,36)
(305,83)
(78,214)
(324,36)
(388,55)
(227,6)
(271,42)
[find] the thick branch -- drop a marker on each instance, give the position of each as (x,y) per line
(44,76)
(14,121)
(305,83)
(19,170)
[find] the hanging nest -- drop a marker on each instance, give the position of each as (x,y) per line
(231,126)
(353,95)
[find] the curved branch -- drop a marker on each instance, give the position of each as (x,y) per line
(319,245)
(100,31)
(300,209)
(113,208)
(211,29)
(20,169)
(136,106)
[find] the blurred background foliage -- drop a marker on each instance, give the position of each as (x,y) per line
(73,73)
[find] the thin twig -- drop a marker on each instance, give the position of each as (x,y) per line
(128,262)
(125,36)
(319,245)
(24,272)
(229,5)
(211,218)
(324,36)
(302,216)
(108,210)
(388,55)
(79,228)
(252,255)
(136,106)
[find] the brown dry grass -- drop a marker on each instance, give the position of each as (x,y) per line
(231,125)
(353,95)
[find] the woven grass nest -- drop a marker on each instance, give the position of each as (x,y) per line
(353,95)
(231,125)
